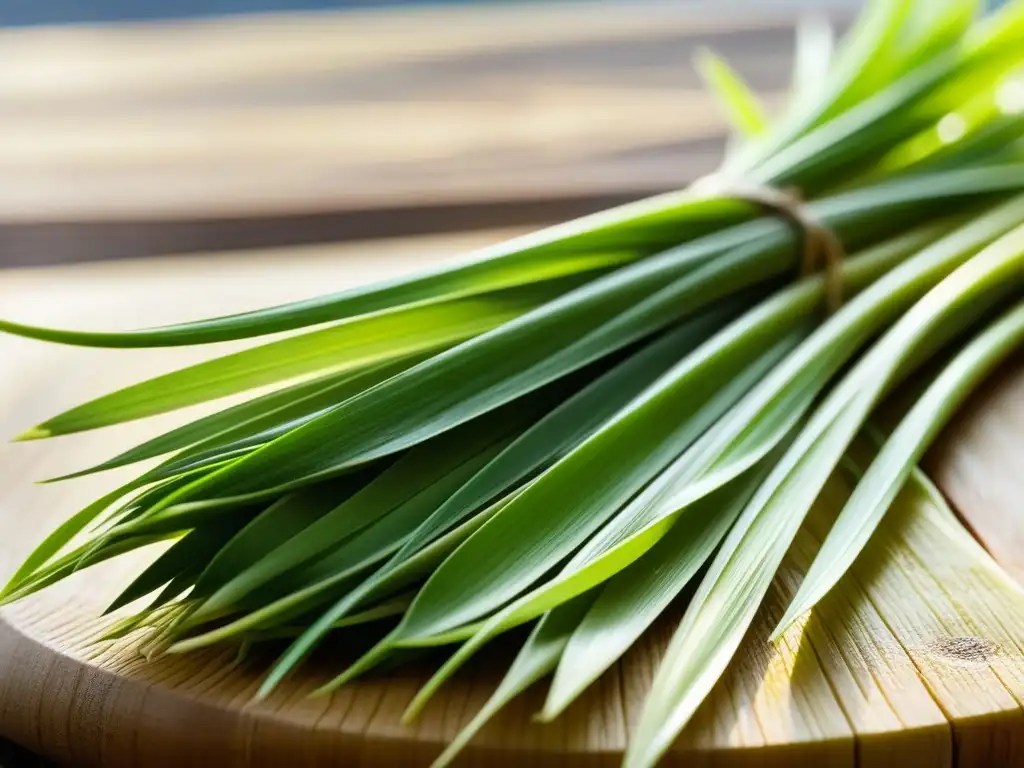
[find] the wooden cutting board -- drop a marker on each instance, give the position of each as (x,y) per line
(937,683)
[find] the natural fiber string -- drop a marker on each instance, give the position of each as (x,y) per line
(820,242)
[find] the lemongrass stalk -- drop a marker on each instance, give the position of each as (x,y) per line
(729,595)
(887,473)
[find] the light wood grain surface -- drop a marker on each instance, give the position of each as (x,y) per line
(139,139)
(917,662)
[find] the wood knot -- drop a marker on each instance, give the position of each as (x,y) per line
(969,650)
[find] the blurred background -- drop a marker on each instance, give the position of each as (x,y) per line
(133,128)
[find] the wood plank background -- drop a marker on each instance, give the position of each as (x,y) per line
(142,139)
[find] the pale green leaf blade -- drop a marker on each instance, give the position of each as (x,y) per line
(186,556)
(247,423)
(635,597)
(537,658)
(569,249)
(386,582)
(730,593)
(742,108)
(444,464)
(346,347)
(890,469)
(576,496)
(556,434)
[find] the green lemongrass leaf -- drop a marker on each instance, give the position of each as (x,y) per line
(537,658)
(415,478)
(348,346)
(936,150)
(635,597)
(126,626)
(185,556)
(64,533)
(742,108)
(551,341)
(931,28)
(387,581)
(755,425)
(68,564)
(864,59)
(772,404)
(872,34)
(812,58)
(226,430)
(888,472)
(594,242)
(277,524)
(632,532)
(893,112)
(740,574)
(394,416)
(98,510)
(554,435)
(210,427)
(386,610)
(578,494)
(371,545)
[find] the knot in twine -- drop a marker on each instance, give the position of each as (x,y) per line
(820,242)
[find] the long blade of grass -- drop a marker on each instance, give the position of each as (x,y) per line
(742,108)
(812,57)
(576,496)
(222,431)
(537,658)
(636,596)
(568,333)
(415,478)
(729,595)
(598,241)
(346,347)
(389,580)
(890,469)
(186,556)
(555,435)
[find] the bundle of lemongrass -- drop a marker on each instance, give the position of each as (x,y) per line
(567,428)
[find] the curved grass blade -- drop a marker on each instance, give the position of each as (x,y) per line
(555,435)
(279,523)
(537,658)
(576,496)
(763,417)
(349,346)
(630,534)
(415,478)
(68,564)
(594,242)
(742,108)
(570,332)
(730,593)
(371,545)
(386,610)
(226,430)
(185,556)
(635,597)
(890,469)
(388,581)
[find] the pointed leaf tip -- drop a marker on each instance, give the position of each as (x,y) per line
(35,433)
